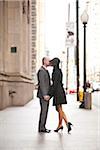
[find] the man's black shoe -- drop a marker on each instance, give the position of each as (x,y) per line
(45,131)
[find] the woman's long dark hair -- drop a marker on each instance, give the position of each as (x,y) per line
(55,62)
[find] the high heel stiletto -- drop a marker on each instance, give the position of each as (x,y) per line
(61,128)
(69,124)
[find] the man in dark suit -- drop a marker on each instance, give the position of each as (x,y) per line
(42,94)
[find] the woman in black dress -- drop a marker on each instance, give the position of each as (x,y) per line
(58,93)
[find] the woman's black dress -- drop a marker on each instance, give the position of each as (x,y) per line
(57,90)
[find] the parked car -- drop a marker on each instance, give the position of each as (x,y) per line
(72,91)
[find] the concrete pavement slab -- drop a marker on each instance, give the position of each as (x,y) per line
(19,128)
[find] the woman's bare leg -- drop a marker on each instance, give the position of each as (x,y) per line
(64,116)
(60,113)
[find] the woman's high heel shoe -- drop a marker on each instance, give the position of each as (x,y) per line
(61,128)
(69,124)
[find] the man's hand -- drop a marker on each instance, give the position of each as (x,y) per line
(46,97)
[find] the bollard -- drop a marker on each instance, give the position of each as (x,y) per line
(88,99)
(81,92)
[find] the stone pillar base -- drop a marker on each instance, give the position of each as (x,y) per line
(15,93)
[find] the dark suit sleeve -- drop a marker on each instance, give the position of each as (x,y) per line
(41,78)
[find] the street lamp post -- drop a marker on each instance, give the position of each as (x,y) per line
(77,47)
(84,19)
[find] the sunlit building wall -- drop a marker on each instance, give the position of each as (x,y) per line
(40,33)
(92,40)
(33,29)
(15,53)
(37,38)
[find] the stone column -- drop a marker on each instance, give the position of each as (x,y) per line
(34,37)
(16,86)
(40,32)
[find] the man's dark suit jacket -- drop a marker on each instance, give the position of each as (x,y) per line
(43,82)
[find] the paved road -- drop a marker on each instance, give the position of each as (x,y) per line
(18,128)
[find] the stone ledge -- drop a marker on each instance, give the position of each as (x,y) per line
(15,78)
(15,74)
(15,93)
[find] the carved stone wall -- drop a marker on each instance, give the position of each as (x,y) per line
(16,85)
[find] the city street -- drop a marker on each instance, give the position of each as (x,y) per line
(19,128)
(32,34)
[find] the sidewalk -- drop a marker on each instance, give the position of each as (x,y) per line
(19,128)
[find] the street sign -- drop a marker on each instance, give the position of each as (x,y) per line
(69,34)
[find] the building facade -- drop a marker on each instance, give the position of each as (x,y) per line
(92,39)
(33,43)
(37,35)
(40,32)
(16,85)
